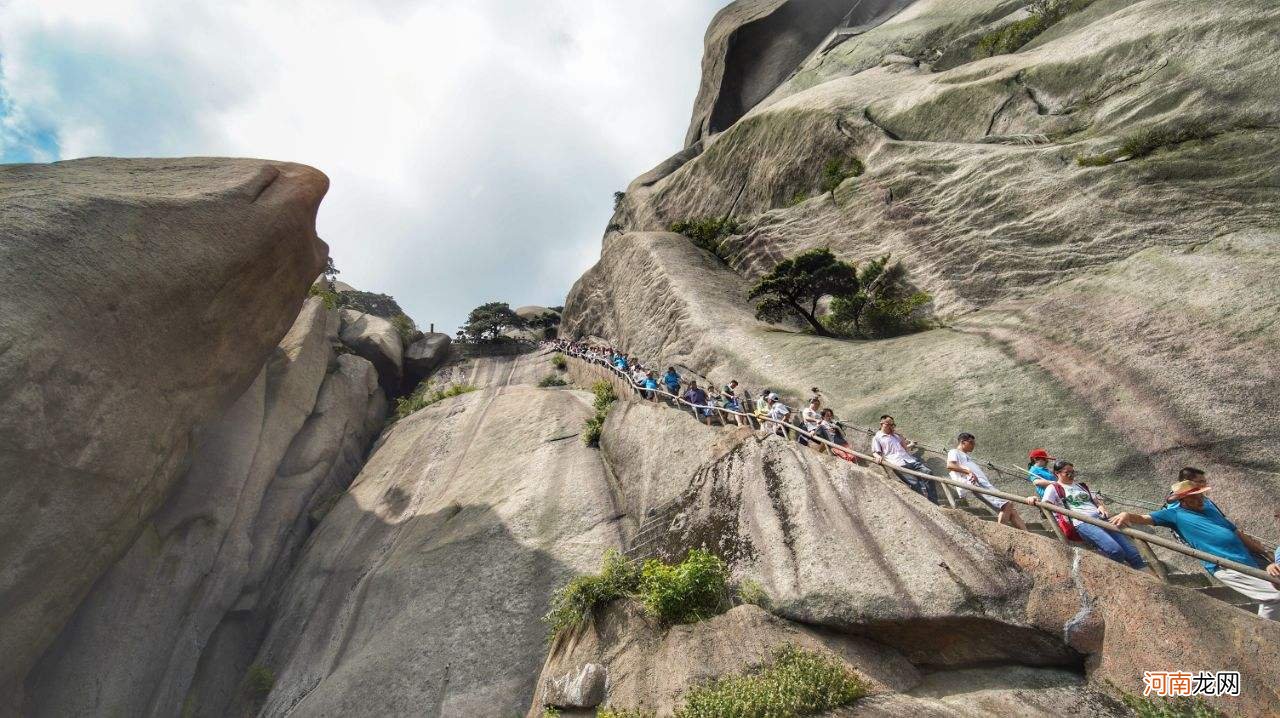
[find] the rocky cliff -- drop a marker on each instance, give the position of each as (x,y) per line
(205,512)
(1116,313)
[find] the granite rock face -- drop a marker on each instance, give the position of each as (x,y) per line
(141,298)
(156,633)
(421,591)
(925,595)
(377,340)
(1115,313)
(752,46)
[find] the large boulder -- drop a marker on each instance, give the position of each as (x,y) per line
(847,549)
(377,340)
(421,591)
(141,298)
(423,357)
(216,549)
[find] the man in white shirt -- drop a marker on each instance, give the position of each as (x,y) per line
(964,468)
(889,445)
(780,413)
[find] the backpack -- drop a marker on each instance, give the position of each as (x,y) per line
(1064,522)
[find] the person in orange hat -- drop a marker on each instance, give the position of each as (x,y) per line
(1209,531)
(1038,472)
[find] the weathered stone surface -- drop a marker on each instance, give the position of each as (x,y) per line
(580,688)
(141,298)
(752,46)
(226,535)
(377,340)
(421,591)
(650,665)
(850,550)
(423,357)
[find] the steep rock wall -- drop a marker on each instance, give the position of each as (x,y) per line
(213,555)
(1116,314)
(422,590)
(845,551)
(141,298)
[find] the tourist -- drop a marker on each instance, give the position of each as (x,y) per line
(698,398)
(1076,496)
(963,468)
(812,415)
(1038,472)
(672,380)
(780,414)
(650,385)
(1211,532)
(889,445)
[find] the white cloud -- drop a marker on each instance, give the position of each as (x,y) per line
(473,146)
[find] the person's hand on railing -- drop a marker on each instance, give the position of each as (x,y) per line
(1274,570)
(1031,500)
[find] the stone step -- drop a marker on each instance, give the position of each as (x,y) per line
(1224,593)
(1190,580)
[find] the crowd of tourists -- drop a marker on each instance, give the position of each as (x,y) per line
(1195,519)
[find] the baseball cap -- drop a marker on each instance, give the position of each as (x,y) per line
(1039,454)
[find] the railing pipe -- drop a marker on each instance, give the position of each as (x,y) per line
(948,481)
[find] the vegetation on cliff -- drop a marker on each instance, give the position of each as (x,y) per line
(868,302)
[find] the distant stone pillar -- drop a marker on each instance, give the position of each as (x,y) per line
(433,328)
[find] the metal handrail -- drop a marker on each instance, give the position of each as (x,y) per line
(948,481)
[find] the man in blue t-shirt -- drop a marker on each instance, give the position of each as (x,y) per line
(1211,532)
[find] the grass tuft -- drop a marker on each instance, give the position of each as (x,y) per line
(1144,142)
(796,682)
(709,233)
(559,362)
(1012,37)
(573,604)
(837,170)
(423,397)
(1184,707)
(552,380)
(260,679)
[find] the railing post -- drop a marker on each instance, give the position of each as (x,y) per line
(948,492)
(1153,562)
(1053,524)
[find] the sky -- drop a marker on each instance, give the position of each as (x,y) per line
(473,146)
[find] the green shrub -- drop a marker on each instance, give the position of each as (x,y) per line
(550,712)
(331,299)
(837,170)
(552,380)
(610,712)
(558,361)
(795,683)
(692,590)
(260,679)
(709,233)
(573,604)
(1015,35)
(1143,142)
(1182,707)
(404,327)
(423,397)
(882,306)
(605,395)
(592,430)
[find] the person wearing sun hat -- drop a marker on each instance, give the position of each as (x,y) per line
(1209,531)
(1038,472)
